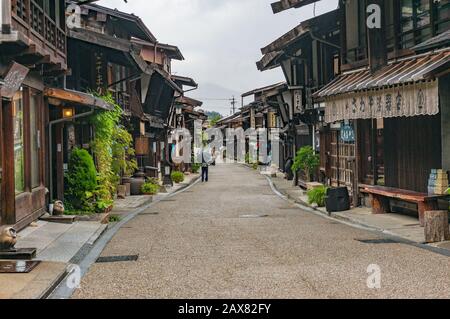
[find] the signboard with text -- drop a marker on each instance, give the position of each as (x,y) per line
(13,80)
(347,133)
(298,101)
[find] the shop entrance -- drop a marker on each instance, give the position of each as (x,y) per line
(342,162)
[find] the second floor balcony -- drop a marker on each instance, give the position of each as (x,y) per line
(35,31)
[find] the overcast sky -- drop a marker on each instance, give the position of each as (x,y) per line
(220,40)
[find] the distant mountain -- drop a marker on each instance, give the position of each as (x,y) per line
(216,98)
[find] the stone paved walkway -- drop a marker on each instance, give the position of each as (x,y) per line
(234,238)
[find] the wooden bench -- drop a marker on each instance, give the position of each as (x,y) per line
(380,198)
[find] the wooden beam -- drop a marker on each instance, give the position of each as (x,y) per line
(283,5)
(76,97)
(101,40)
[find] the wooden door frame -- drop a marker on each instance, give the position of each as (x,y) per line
(8,198)
(1,164)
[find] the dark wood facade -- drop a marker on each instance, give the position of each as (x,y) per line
(125,60)
(397,152)
(412,149)
(394,151)
(34,36)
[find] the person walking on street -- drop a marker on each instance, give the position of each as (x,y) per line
(205,167)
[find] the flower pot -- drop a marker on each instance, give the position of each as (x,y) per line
(136,185)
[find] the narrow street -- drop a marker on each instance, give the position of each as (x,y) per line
(208,242)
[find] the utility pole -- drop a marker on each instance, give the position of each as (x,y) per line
(233,105)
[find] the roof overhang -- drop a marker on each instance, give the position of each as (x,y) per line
(280,43)
(438,41)
(136,26)
(305,31)
(267,90)
(189,101)
(184,80)
(167,78)
(417,68)
(404,88)
(283,5)
(78,98)
(269,61)
(171,51)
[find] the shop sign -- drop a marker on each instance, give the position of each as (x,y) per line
(347,133)
(416,99)
(13,80)
(298,101)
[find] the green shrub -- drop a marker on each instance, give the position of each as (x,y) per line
(317,196)
(177,177)
(306,160)
(195,168)
(150,188)
(255,166)
(152,180)
(81,181)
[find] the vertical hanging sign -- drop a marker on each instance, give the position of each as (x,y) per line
(298,101)
(13,80)
(99,76)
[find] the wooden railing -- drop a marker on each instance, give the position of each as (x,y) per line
(32,16)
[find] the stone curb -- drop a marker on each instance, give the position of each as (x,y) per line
(88,248)
(325,213)
(54,284)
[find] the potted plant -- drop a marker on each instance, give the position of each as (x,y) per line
(150,188)
(307,161)
(177,177)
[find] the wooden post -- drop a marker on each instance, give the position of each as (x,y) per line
(436,226)
(424,207)
(59,142)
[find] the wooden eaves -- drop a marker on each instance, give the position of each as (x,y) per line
(77,97)
(283,5)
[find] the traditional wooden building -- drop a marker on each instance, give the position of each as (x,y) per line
(122,57)
(269,111)
(392,98)
(33,55)
(186,115)
(309,58)
(383,121)
(158,107)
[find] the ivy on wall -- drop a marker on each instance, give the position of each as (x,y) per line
(113,152)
